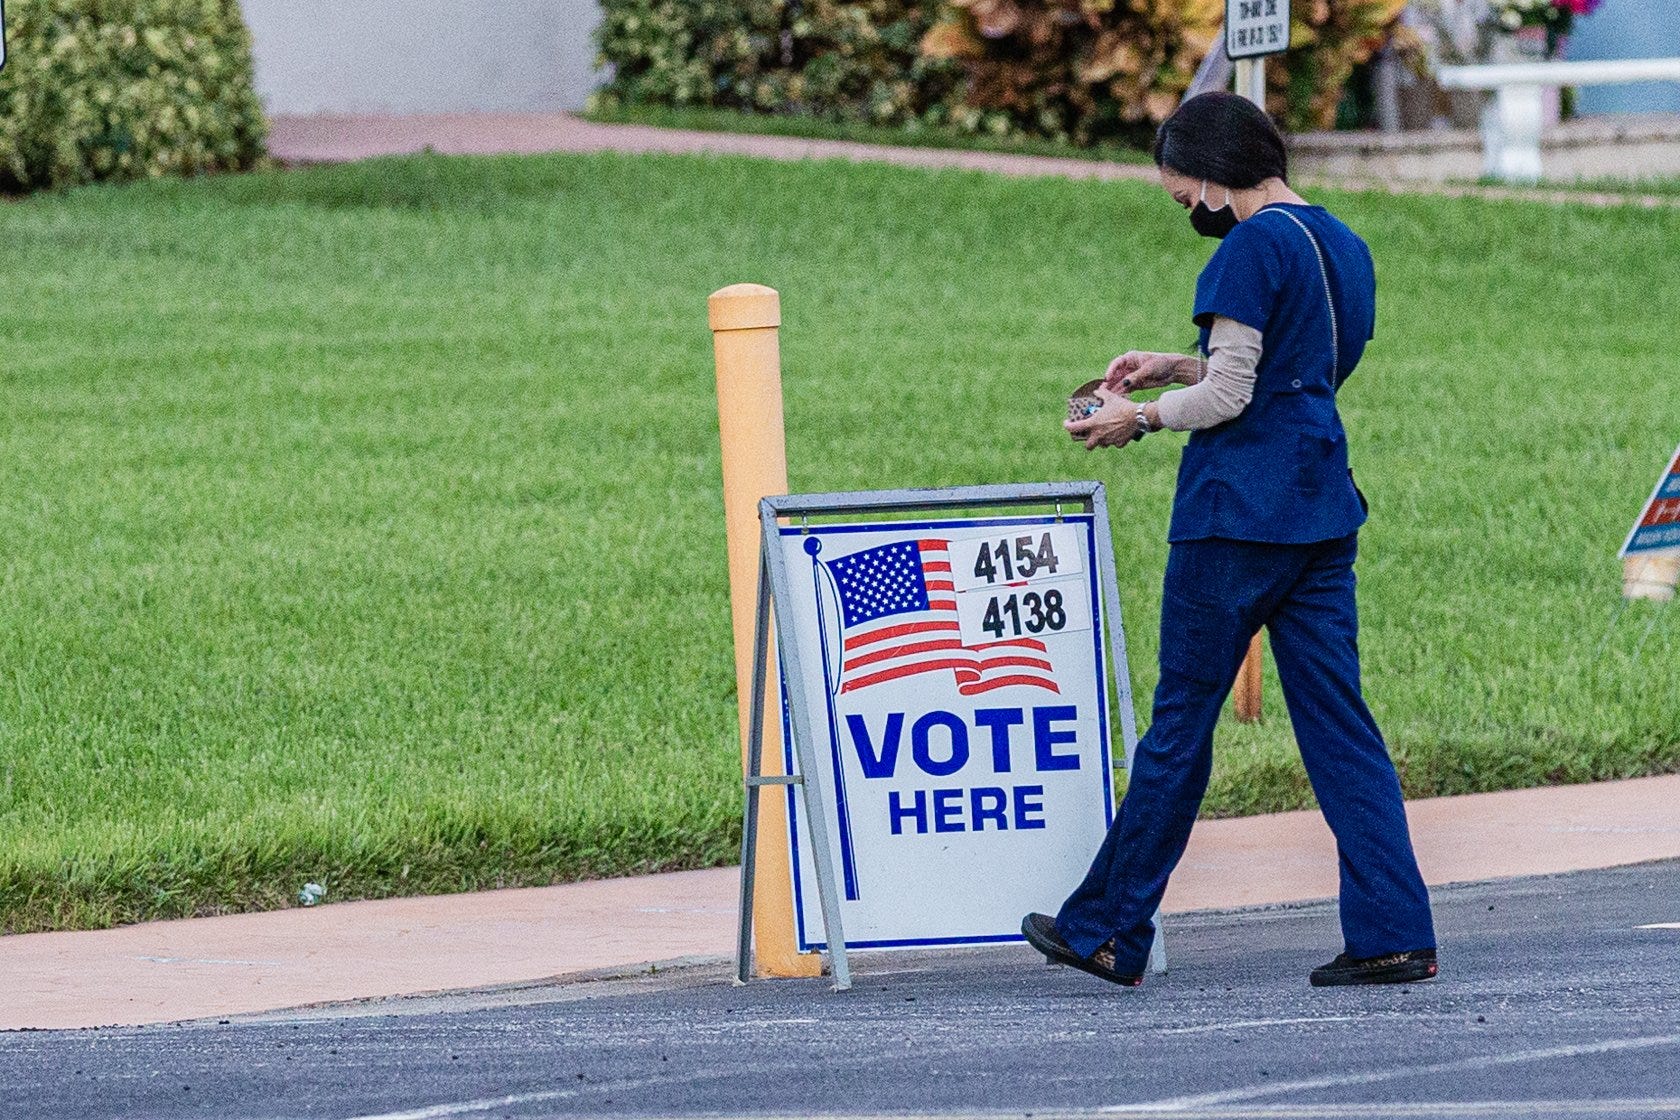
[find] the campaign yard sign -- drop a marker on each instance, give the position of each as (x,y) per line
(1658,527)
(958,681)
(1254,28)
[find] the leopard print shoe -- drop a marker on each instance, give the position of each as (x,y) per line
(1040,932)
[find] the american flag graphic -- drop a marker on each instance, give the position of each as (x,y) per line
(898,607)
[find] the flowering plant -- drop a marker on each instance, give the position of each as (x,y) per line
(1555,16)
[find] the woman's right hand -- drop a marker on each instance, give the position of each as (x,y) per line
(1113,425)
(1136,370)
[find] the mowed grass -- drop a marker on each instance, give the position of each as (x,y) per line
(363,524)
(1668,187)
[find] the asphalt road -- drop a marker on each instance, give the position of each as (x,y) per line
(1551,1002)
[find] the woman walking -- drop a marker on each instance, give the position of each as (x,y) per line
(1264,531)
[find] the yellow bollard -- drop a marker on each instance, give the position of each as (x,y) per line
(1246,695)
(745,319)
(1650,576)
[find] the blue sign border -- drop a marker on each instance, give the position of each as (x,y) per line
(1098,633)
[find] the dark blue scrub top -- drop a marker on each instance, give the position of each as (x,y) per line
(1278,472)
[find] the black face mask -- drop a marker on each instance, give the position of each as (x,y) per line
(1210,222)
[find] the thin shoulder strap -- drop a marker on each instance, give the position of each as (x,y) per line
(1324,274)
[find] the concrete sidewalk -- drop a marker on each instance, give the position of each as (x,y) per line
(207,967)
(339,139)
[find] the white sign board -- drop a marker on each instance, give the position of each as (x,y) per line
(958,681)
(1254,28)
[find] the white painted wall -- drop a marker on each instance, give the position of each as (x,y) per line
(422,56)
(1629,29)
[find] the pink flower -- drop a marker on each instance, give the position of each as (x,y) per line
(1577,7)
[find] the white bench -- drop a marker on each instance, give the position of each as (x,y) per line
(1511,124)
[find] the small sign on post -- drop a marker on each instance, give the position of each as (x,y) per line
(1651,554)
(1658,527)
(1256,28)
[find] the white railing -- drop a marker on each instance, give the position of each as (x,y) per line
(1512,122)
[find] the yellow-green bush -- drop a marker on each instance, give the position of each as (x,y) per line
(1076,69)
(1088,69)
(1083,70)
(125,89)
(1328,39)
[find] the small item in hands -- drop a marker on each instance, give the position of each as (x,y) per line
(1085,403)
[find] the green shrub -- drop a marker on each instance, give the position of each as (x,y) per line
(862,60)
(125,89)
(838,59)
(688,52)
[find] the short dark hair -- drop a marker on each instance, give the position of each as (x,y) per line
(1222,138)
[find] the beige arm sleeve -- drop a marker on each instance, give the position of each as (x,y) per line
(1233,358)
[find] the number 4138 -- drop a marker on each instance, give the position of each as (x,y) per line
(1031,613)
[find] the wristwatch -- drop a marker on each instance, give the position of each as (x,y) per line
(1143,427)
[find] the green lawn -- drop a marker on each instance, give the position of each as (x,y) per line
(1661,188)
(364,525)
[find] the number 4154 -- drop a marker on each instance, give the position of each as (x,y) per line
(1029,556)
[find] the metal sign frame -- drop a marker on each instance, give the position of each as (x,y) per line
(1274,10)
(774,589)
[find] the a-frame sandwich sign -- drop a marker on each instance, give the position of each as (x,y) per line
(953,675)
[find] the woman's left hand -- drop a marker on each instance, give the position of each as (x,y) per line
(1113,425)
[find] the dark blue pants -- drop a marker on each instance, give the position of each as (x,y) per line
(1218,594)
